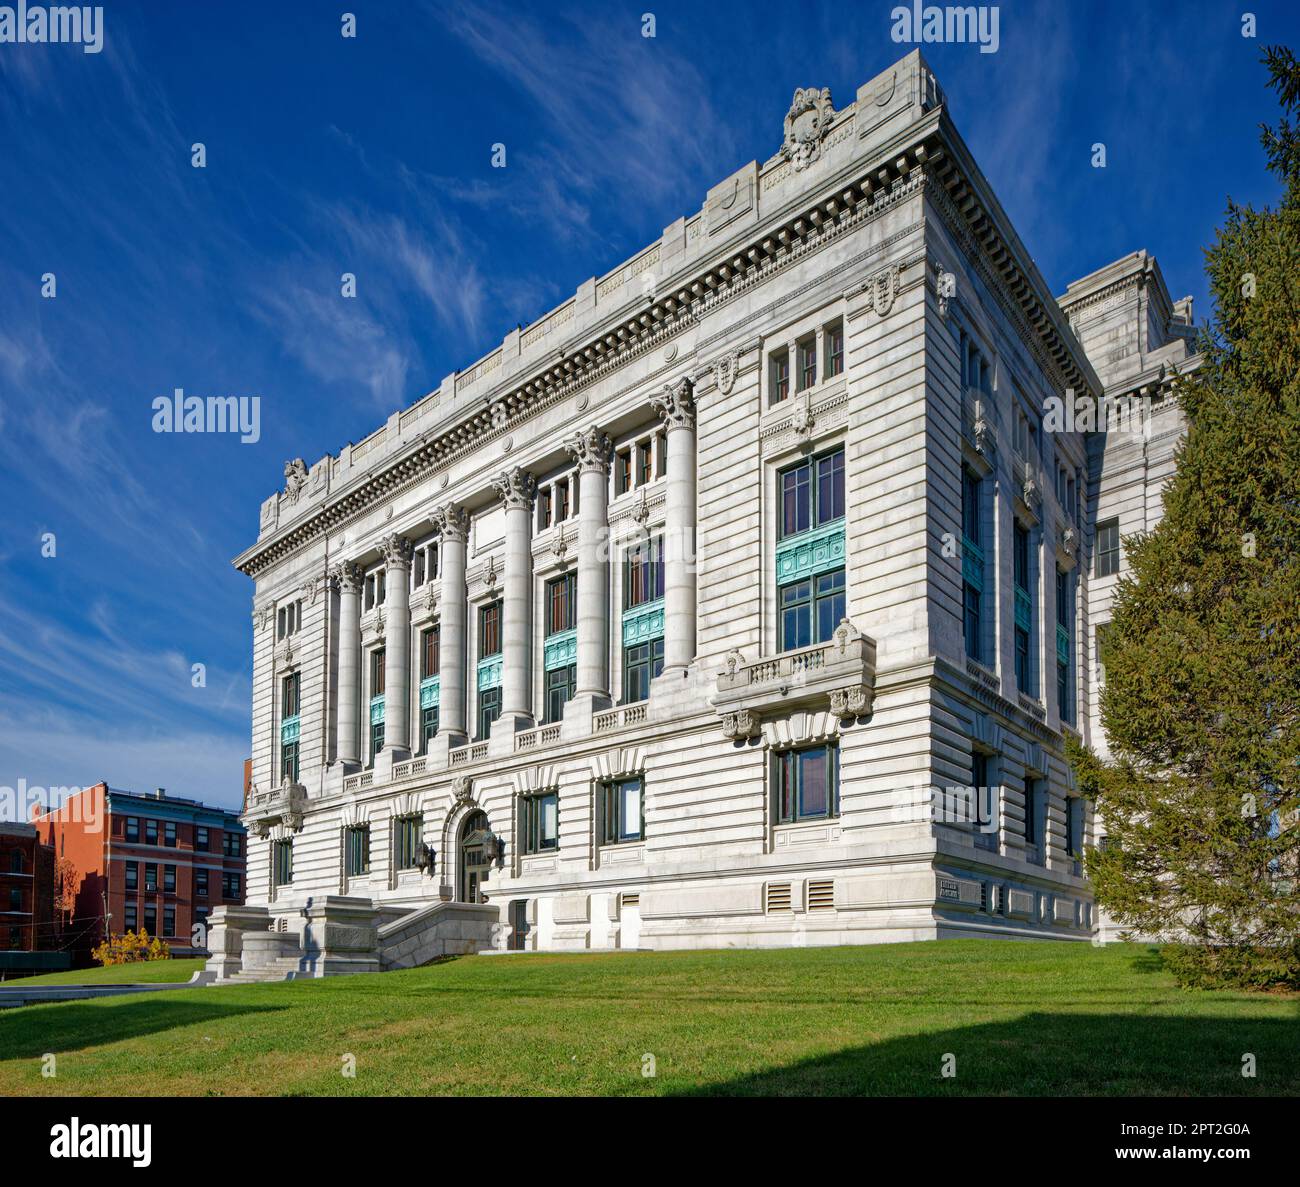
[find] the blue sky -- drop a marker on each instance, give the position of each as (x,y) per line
(372,156)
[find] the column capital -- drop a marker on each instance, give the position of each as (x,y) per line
(347,577)
(676,404)
(591,449)
(516,488)
(397,551)
(451,522)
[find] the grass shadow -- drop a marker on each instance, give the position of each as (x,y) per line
(1045,1054)
(28,1032)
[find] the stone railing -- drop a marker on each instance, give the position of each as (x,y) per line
(619,718)
(545,735)
(839,674)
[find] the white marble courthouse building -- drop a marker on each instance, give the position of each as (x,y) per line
(690,615)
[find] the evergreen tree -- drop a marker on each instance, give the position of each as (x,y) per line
(1201,799)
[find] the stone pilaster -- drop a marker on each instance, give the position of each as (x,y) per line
(349,580)
(516,488)
(397,645)
(591,449)
(453,526)
(676,406)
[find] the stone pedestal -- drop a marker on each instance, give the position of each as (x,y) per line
(228,927)
(340,936)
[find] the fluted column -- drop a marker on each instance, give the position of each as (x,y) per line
(452,524)
(349,579)
(676,406)
(516,489)
(591,450)
(397,643)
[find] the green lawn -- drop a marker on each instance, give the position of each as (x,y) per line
(136,973)
(1019,1018)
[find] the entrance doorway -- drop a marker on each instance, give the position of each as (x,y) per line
(474,862)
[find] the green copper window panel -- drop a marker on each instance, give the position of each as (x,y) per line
(560,650)
(643,623)
(811,552)
(489,672)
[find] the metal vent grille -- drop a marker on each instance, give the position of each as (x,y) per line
(821,895)
(630,900)
(984,896)
(778,897)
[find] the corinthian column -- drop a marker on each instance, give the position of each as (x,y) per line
(397,643)
(591,450)
(676,406)
(516,489)
(452,524)
(349,578)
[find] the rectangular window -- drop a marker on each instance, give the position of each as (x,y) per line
(970,506)
(200,883)
(811,494)
(972,610)
(489,709)
(644,462)
(151,832)
(622,472)
(377,660)
(132,875)
(376,740)
(544,508)
(1108,547)
(430,651)
(662,466)
(541,822)
(1020,557)
(169,834)
(1065,645)
(489,630)
(624,811)
(1023,678)
(834,349)
(230,844)
(230,881)
(287,619)
(643,573)
(428,726)
(562,603)
(1033,821)
(132,828)
(15,937)
(290,700)
(779,376)
(562,500)
(807,784)
(201,839)
(151,918)
(409,832)
(169,879)
(807,352)
(811,609)
(986,836)
(169,921)
(281,865)
(151,875)
(357,842)
(561,684)
(130,917)
(1074,826)
(641,664)
(1098,650)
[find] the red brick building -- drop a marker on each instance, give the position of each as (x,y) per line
(29,939)
(156,862)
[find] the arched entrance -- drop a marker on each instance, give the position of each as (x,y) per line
(474,860)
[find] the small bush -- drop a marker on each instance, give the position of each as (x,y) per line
(131,947)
